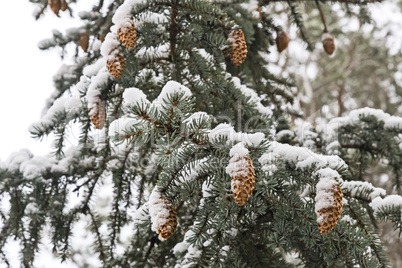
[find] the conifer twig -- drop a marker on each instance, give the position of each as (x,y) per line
(322,16)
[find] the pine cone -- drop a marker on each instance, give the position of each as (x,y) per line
(259,12)
(239,47)
(116,66)
(127,36)
(55,6)
(243,181)
(282,41)
(64,5)
(98,114)
(84,41)
(329,43)
(328,217)
(163,215)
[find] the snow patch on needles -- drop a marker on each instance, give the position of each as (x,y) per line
(122,126)
(254,98)
(355,116)
(379,203)
(171,88)
(142,214)
(302,157)
(94,90)
(122,16)
(225,130)
(73,105)
(134,96)
(252,7)
(358,186)
(49,118)
(152,52)
(34,167)
(183,245)
(110,48)
(94,68)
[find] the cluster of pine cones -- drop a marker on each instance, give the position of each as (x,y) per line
(242,185)
(57,5)
(128,37)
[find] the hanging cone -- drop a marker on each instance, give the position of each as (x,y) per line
(115,66)
(243,181)
(127,35)
(64,5)
(282,41)
(328,216)
(98,114)
(163,215)
(55,6)
(328,43)
(239,47)
(259,12)
(102,37)
(84,41)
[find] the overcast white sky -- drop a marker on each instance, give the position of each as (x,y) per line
(26,73)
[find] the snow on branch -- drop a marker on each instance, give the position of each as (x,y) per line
(98,82)
(225,130)
(171,88)
(123,16)
(133,97)
(254,97)
(301,157)
(356,188)
(355,118)
(380,203)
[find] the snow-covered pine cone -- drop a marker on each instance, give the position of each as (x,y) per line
(243,180)
(55,6)
(83,41)
(115,66)
(328,43)
(238,46)
(64,5)
(163,215)
(330,209)
(127,35)
(98,114)
(282,41)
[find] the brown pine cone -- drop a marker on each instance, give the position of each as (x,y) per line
(163,215)
(64,5)
(328,43)
(127,36)
(328,217)
(243,181)
(282,41)
(116,66)
(83,41)
(98,114)
(55,6)
(238,46)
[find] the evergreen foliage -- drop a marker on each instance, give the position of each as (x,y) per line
(174,119)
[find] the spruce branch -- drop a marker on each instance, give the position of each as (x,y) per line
(297,19)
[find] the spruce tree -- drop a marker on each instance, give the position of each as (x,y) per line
(186,154)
